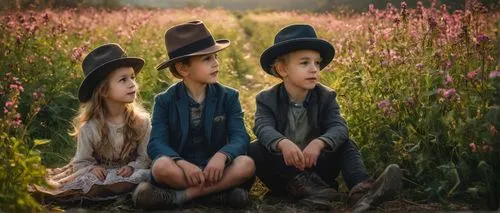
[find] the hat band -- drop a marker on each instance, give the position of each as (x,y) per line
(193,47)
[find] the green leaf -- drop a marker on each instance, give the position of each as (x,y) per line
(39,142)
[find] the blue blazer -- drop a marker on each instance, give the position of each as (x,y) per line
(223,122)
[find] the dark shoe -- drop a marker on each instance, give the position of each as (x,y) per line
(385,188)
(235,198)
(358,191)
(326,190)
(148,196)
(312,191)
(318,202)
(304,185)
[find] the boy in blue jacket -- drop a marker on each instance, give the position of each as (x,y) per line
(198,139)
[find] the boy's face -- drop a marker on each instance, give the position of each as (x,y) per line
(203,68)
(122,86)
(301,69)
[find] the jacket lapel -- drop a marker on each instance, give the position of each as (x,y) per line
(208,115)
(183,112)
(282,106)
(312,109)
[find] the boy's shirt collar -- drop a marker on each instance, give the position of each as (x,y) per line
(304,104)
(193,103)
(183,93)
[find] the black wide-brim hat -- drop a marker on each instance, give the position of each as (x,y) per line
(100,62)
(293,38)
(190,39)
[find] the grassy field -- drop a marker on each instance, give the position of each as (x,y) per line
(418,86)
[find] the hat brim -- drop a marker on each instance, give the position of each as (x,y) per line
(325,49)
(98,74)
(219,45)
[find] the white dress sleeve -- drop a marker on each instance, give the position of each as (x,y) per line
(143,161)
(83,157)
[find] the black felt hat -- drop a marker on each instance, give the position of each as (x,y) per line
(100,62)
(296,37)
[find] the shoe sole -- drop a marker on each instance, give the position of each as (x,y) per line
(332,196)
(245,200)
(141,187)
(390,185)
(316,204)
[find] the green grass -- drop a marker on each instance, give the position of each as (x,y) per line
(389,72)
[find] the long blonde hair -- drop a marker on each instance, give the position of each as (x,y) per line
(95,109)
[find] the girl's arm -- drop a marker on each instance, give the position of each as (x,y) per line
(83,156)
(142,161)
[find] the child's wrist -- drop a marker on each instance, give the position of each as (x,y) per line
(181,163)
(281,143)
(221,156)
(320,143)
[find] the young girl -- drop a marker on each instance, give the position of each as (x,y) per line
(111,130)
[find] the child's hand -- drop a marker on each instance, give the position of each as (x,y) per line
(100,172)
(312,152)
(125,171)
(215,168)
(193,173)
(291,154)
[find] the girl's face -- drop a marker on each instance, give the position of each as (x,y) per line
(301,69)
(203,69)
(122,86)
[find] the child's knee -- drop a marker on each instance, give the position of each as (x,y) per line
(164,168)
(246,165)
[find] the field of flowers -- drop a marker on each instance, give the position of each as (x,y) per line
(418,86)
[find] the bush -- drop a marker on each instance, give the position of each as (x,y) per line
(20,163)
(421,88)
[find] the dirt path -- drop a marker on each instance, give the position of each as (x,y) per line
(266,205)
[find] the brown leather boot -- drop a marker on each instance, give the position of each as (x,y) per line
(370,193)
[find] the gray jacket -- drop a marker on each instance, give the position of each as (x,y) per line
(322,110)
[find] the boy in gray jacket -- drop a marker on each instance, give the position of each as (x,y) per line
(303,141)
